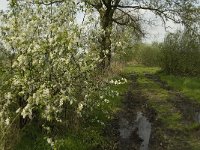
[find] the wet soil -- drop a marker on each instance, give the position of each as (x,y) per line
(131,128)
(180,139)
(136,127)
(189,108)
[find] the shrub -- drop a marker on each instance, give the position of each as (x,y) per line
(181,53)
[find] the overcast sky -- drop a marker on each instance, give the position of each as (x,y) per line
(154,33)
(3,4)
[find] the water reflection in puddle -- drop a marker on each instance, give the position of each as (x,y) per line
(197,117)
(144,130)
(141,124)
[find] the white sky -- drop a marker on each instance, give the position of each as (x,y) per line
(154,33)
(3,4)
(157,31)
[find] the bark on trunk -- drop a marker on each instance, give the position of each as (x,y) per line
(106,25)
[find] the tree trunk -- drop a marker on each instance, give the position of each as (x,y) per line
(105,50)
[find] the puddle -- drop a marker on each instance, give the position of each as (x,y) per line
(144,130)
(126,128)
(141,125)
(197,117)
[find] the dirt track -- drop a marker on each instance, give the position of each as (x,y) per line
(138,126)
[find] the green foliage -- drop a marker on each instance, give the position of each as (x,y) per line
(124,42)
(51,91)
(137,52)
(90,135)
(140,69)
(32,138)
(147,54)
(181,53)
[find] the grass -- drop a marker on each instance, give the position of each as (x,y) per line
(169,117)
(158,100)
(32,138)
(190,86)
(157,97)
(140,69)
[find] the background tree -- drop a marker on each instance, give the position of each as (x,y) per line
(180,53)
(127,12)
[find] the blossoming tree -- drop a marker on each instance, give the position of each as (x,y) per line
(52,74)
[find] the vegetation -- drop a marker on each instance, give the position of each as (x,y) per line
(188,85)
(50,82)
(169,118)
(61,81)
(147,54)
(181,53)
(121,12)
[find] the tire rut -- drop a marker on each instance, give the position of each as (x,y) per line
(134,127)
(189,108)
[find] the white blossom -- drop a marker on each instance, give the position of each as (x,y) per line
(80,107)
(50,141)
(8,96)
(7,121)
(106,100)
(46,92)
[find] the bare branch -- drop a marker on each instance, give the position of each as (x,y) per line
(120,23)
(131,21)
(104,2)
(50,3)
(97,5)
(140,7)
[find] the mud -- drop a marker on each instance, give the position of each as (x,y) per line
(134,126)
(187,106)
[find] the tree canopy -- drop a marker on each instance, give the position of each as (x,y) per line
(128,13)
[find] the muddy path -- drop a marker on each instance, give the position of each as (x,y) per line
(150,121)
(189,108)
(134,126)
(185,133)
